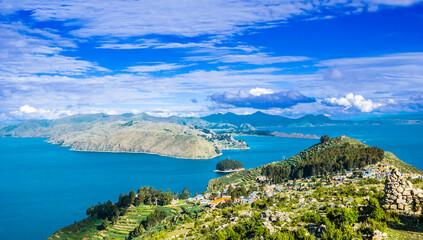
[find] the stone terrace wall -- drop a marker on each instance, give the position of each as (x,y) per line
(400,194)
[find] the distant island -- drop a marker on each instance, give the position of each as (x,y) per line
(229,165)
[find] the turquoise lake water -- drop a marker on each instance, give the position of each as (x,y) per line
(44,187)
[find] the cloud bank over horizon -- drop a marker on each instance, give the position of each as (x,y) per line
(259,98)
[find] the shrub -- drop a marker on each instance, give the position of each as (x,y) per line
(311,217)
(342,216)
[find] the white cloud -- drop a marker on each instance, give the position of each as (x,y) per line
(28,112)
(351,101)
(260,91)
(27,109)
(254,58)
(188,18)
(387,75)
(156,44)
(384,60)
(26,51)
(154,68)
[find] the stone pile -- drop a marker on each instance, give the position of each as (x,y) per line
(400,194)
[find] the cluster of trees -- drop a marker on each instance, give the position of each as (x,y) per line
(110,212)
(107,211)
(329,160)
(229,164)
(147,196)
(150,196)
(237,192)
(152,220)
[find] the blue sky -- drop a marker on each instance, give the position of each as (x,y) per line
(342,58)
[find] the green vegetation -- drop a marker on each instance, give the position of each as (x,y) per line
(229,164)
(329,160)
(152,220)
(324,139)
(390,158)
(247,177)
(314,208)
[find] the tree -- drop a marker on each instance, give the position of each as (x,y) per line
(324,139)
(89,211)
(184,194)
(132,196)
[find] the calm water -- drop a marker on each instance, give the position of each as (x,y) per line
(44,187)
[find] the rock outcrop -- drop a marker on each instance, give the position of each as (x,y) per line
(275,216)
(400,194)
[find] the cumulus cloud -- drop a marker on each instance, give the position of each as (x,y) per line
(259,99)
(260,91)
(29,112)
(351,101)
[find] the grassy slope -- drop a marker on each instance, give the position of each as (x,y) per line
(87,228)
(244,177)
(390,158)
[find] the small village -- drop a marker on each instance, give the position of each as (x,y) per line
(265,189)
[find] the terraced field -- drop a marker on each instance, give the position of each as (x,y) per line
(87,228)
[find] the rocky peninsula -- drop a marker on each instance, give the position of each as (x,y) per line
(127,134)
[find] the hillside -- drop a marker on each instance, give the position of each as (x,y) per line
(322,207)
(291,164)
(127,133)
(140,137)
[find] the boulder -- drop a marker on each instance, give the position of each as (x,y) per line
(269,226)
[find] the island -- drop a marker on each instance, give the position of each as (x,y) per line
(228,166)
(338,188)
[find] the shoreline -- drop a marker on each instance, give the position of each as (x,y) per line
(229,171)
(280,134)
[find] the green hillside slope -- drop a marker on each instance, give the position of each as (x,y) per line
(248,176)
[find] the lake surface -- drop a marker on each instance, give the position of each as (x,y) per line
(44,187)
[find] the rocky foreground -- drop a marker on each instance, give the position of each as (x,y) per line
(400,194)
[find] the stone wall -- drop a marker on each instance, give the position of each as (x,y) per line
(400,194)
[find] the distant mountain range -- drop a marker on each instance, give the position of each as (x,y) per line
(260,119)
